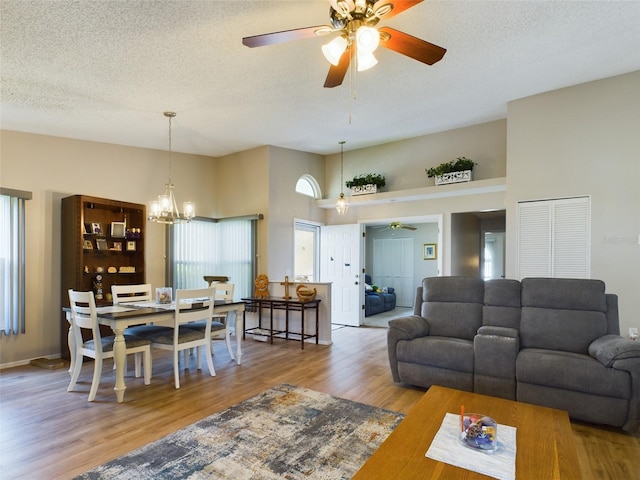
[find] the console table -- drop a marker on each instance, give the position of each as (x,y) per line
(290,305)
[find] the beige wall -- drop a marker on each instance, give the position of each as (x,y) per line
(403,164)
(53,168)
(584,140)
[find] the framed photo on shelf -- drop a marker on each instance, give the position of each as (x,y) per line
(102,244)
(131,246)
(117,246)
(87,245)
(430,251)
(96,228)
(117,229)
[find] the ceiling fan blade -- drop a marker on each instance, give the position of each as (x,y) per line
(337,72)
(399,6)
(409,227)
(411,46)
(285,36)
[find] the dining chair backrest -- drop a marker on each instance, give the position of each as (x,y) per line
(188,300)
(131,293)
(83,315)
(223,291)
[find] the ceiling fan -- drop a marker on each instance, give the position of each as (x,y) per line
(398,225)
(356,21)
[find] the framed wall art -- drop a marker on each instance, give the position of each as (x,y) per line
(430,251)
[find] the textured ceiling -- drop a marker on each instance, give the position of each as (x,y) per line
(106,70)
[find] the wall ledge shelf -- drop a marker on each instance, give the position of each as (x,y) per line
(476,187)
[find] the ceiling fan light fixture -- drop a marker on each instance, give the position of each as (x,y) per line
(368,39)
(342,6)
(383,9)
(333,50)
(365,62)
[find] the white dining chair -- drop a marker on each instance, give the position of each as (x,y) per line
(182,337)
(84,316)
(123,294)
(219,324)
(131,293)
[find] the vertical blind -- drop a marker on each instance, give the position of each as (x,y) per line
(206,247)
(12,261)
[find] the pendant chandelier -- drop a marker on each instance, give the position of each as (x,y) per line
(165,209)
(341,205)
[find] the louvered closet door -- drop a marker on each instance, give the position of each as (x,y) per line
(554,238)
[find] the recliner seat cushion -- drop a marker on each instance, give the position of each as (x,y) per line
(447,353)
(571,371)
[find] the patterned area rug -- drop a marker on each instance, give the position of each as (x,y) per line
(285,432)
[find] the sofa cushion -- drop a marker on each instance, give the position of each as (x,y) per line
(571,371)
(566,330)
(564,293)
(446,353)
(457,320)
(453,306)
(562,313)
(453,289)
(501,303)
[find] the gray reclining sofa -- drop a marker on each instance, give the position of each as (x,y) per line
(547,341)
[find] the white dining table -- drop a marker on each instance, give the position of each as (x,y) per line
(124,315)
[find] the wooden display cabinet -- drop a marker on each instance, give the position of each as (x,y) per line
(100,237)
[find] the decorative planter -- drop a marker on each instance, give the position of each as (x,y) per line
(364,189)
(454,177)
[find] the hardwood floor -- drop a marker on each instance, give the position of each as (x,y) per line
(47,433)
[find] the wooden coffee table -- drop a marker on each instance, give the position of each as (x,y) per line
(544,439)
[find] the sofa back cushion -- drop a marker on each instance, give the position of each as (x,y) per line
(562,314)
(452,306)
(501,303)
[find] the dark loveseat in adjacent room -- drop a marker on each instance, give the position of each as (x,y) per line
(548,341)
(377,302)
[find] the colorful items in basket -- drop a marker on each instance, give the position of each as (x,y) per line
(479,432)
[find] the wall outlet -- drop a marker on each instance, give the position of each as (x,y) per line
(633,333)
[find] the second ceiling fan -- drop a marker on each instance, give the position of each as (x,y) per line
(355,21)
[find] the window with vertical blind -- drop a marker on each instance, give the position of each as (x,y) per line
(213,247)
(554,238)
(12,261)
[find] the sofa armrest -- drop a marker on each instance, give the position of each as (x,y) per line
(391,290)
(494,357)
(610,349)
(405,328)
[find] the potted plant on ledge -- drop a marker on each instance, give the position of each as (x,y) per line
(452,171)
(365,183)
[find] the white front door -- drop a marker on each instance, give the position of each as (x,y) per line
(341,259)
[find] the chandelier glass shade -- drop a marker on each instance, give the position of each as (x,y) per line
(341,205)
(165,208)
